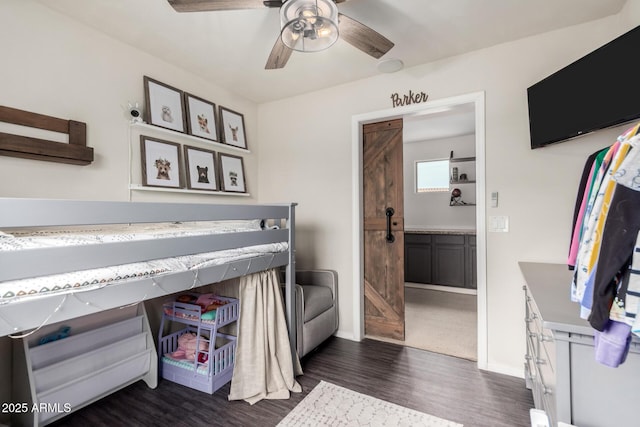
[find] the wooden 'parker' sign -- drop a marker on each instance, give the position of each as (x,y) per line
(408,99)
(75,152)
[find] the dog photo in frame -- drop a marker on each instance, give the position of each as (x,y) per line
(165,106)
(201,168)
(161,163)
(232,128)
(232,173)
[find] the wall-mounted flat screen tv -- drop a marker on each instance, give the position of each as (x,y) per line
(597,91)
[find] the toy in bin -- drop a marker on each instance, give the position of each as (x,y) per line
(187,344)
(63,332)
(208,303)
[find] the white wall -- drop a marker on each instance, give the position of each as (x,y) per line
(311,164)
(55,66)
(52,65)
(431,211)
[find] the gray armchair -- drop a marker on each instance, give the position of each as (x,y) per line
(316,308)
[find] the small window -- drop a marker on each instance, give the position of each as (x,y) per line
(432,176)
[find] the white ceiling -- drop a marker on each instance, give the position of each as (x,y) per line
(439,123)
(230,48)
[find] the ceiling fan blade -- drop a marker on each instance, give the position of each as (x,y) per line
(211,5)
(279,55)
(362,37)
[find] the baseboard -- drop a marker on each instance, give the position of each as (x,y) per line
(346,335)
(499,368)
(442,288)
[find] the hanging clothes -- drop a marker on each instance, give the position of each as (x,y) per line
(605,241)
(592,164)
(620,232)
(632,300)
(592,226)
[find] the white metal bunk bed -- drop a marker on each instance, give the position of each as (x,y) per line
(23,315)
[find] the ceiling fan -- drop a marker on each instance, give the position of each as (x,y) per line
(307,26)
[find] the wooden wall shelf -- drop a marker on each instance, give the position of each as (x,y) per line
(75,152)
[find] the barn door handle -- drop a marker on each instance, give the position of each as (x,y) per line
(390,238)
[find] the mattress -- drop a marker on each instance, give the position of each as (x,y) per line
(84,280)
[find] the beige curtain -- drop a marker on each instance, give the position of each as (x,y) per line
(263,368)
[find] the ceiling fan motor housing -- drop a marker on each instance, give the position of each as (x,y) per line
(309,25)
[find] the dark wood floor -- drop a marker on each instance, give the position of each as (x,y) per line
(439,385)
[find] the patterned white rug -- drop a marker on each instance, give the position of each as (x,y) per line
(331,405)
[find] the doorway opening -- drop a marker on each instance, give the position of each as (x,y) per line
(475,103)
(440,231)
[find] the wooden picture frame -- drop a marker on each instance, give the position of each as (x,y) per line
(201,117)
(201,168)
(232,176)
(161,163)
(165,105)
(232,129)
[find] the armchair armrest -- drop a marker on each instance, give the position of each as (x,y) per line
(328,278)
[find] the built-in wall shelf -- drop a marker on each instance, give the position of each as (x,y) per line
(138,187)
(462,159)
(454,181)
(140,127)
(135,168)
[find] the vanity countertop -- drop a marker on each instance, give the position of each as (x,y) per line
(439,231)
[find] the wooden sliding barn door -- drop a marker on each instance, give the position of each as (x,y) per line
(383,230)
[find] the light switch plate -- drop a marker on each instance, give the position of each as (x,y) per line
(494,199)
(499,224)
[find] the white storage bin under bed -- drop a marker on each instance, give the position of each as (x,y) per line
(72,372)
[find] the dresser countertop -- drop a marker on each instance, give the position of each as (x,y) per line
(550,286)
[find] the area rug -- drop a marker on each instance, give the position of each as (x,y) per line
(331,405)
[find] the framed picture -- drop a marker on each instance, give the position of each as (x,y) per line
(201,168)
(201,117)
(160,163)
(232,128)
(165,106)
(232,173)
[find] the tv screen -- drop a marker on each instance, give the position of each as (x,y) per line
(597,91)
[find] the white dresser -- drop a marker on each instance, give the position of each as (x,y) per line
(560,368)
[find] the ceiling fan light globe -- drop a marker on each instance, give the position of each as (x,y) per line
(309,25)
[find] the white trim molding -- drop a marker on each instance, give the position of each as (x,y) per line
(476,98)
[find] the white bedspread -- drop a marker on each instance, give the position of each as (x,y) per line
(84,280)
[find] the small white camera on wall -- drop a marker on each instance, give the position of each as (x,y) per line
(135,113)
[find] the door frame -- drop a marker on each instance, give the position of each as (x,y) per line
(357,121)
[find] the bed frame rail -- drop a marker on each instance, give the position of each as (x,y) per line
(35,312)
(15,212)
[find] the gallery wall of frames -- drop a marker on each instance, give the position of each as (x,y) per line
(184,142)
